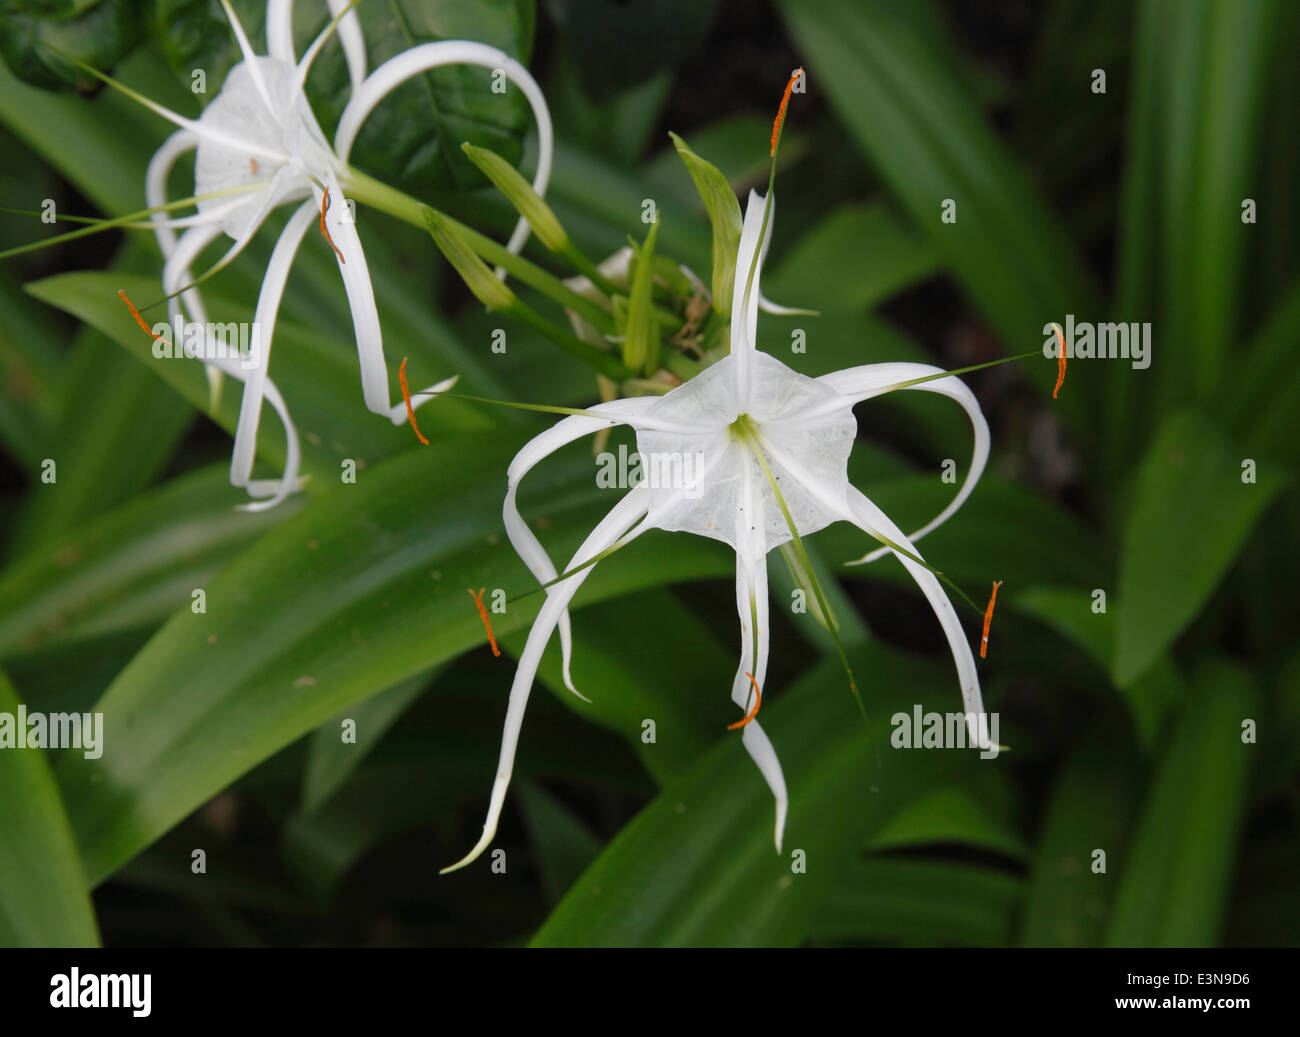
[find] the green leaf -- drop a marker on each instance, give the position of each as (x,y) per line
(1002,532)
(1264,394)
(629,677)
(118,429)
(856,256)
(1177,878)
(44,901)
(1213,79)
(94,142)
(317,377)
(195,35)
(412,140)
(973,813)
(724,217)
(1091,806)
(1072,613)
(917,903)
(697,866)
(563,845)
(1191,516)
(909,112)
(130,567)
(29,373)
(331,760)
(427,773)
(98,33)
(617,45)
(357,592)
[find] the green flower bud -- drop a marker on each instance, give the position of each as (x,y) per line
(460,254)
(641,343)
(508,180)
(724,216)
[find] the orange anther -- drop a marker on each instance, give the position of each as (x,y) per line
(758,701)
(482,613)
(988,618)
(406,395)
(324,208)
(780,114)
(1060,361)
(136,314)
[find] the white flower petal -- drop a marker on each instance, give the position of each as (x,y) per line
(700,415)
(155,193)
(354,45)
(620,520)
(777,310)
(862,383)
(155,183)
(268,308)
(522,538)
(279,30)
(752,608)
(744,307)
(361,301)
(175,273)
(868,517)
(250,57)
(397,70)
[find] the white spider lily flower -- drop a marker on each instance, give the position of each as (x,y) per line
(757,424)
(259,137)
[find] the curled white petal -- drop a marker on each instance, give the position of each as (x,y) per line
(862,383)
(279,30)
(397,70)
(752,608)
(268,309)
(522,538)
(618,524)
(868,517)
(354,44)
(745,292)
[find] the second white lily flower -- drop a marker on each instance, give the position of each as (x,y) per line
(259,138)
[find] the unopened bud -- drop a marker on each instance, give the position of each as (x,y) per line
(461,255)
(508,180)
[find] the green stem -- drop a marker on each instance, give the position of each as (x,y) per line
(606,363)
(378,195)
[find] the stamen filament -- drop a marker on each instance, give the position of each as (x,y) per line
(94,226)
(988,618)
(780,114)
(1060,361)
(324,208)
(483,615)
(406,397)
(758,696)
(136,314)
(816,583)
